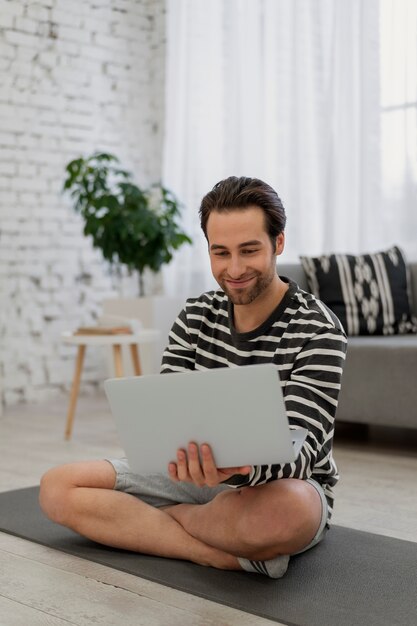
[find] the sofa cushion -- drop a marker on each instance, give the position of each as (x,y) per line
(369,293)
(378,384)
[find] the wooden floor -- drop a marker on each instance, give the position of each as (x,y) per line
(39,586)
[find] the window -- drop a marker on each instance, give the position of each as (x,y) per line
(398,99)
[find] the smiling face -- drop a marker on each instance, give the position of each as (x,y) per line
(241,254)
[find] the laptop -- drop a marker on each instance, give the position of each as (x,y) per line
(239,411)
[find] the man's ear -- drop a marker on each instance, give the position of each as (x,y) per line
(280,244)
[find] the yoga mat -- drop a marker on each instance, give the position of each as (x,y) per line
(352,578)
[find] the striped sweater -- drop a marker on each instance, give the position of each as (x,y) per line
(306,342)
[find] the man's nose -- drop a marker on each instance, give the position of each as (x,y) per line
(237,267)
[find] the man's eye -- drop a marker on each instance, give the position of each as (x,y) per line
(249,251)
(223,253)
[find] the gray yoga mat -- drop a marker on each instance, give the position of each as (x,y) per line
(352,578)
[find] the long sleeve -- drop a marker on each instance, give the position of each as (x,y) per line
(311,396)
(179,355)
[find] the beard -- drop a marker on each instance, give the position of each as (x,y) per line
(246,295)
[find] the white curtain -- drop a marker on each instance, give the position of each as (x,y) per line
(288,91)
(399,121)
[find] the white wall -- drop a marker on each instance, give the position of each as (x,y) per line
(75,76)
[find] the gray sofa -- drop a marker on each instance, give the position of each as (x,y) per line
(380,379)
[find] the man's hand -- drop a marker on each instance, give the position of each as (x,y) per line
(189,469)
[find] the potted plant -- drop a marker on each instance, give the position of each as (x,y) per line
(131,226)
(135,227)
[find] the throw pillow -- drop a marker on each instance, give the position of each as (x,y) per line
(369,293)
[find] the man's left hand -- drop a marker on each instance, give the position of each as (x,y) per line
(188,467)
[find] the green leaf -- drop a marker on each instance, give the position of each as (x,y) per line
(137,227)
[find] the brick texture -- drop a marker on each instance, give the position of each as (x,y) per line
(75,77)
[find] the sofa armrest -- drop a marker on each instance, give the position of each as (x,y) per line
(413,280)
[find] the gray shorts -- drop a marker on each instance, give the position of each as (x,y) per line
(159,490)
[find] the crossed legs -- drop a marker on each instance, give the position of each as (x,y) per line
(254,522)
(81,496)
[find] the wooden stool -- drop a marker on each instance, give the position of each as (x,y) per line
(116,341)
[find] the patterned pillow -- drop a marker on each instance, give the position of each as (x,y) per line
(368,293)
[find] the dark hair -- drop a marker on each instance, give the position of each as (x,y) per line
(235,193)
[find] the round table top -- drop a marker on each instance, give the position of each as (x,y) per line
(145,335)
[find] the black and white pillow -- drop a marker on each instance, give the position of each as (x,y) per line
(369,293)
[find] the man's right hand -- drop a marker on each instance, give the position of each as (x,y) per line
(188,467)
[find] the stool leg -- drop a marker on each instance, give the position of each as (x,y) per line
(74,391)
(118,363)
(134,351)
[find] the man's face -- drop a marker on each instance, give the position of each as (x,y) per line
(241,255)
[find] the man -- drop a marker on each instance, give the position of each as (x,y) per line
(250,518)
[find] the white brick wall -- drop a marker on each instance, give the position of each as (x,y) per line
(75,76)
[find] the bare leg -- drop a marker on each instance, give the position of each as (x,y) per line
(257,523)
(81,496)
